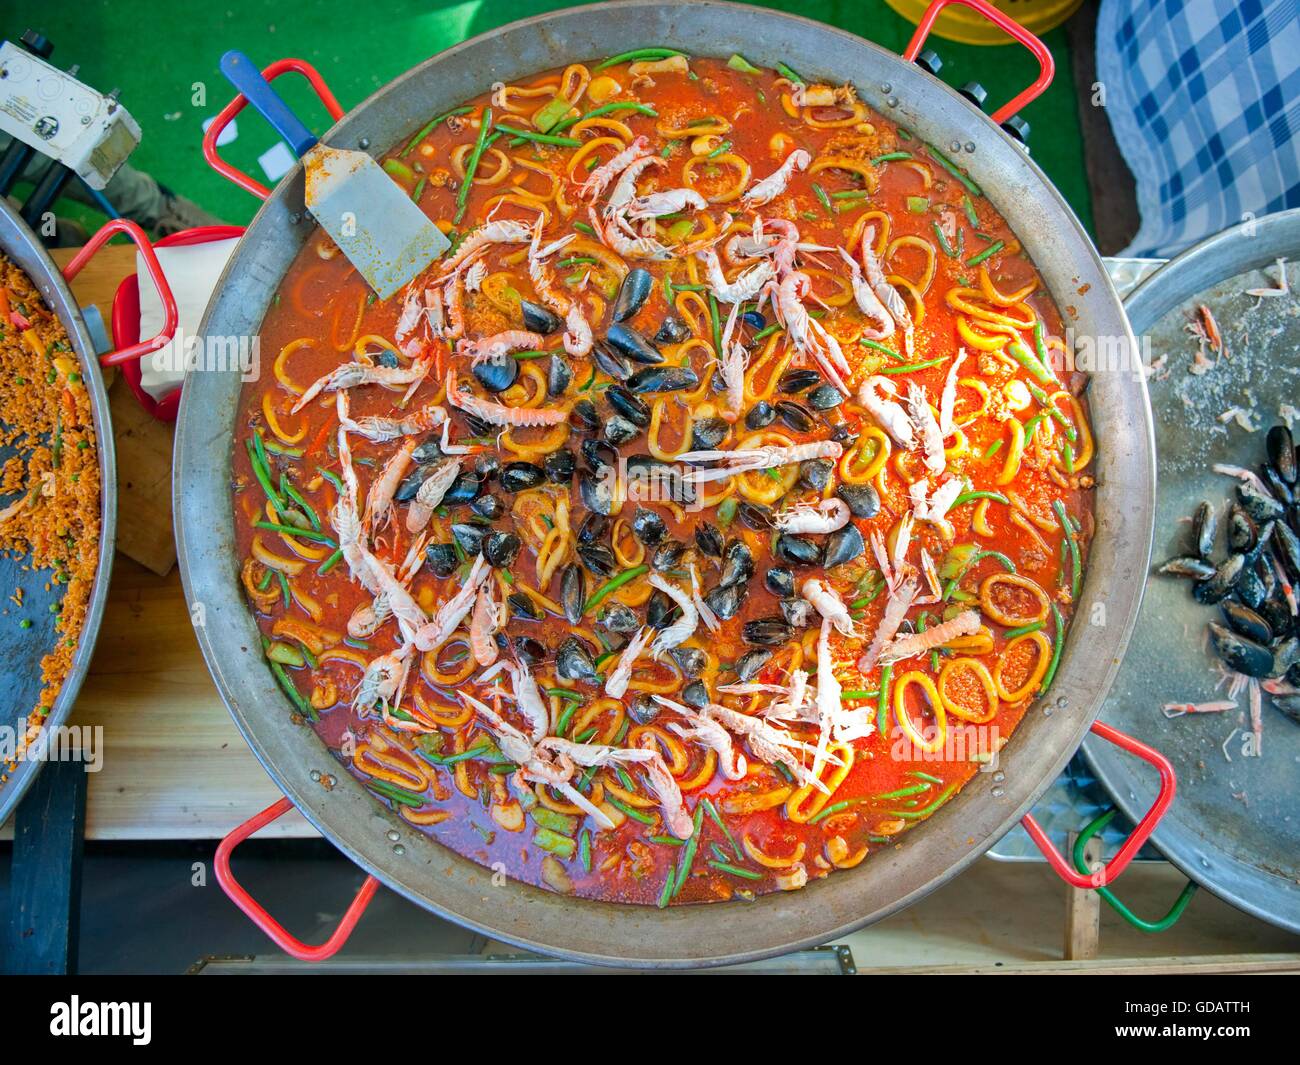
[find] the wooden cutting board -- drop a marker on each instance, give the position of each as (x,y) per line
(144,444)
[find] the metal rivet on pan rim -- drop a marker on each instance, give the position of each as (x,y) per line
(970,146)
(315,776)
(399,850)
(393,835)
(892,101)
(997,793)
(363,143)
(955,146)
(999,776)
(886,88)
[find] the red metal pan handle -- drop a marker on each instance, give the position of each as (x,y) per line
(1112,869)
(282,938)
(170,315)
(1046,65)
(280,66)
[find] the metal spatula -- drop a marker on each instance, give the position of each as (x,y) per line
(368,215)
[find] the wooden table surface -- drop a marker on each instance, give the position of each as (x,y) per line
(174,765)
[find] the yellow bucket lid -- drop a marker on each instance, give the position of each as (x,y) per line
(958,23)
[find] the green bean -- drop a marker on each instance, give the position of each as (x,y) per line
(667,892)
(1023,630)
(971,216)
(294,530)
(288,489)
(540,138)
(1076,567)
(721,149)
(291,690)
(875,346)
(716,818)
(882,705)
(991,250)
(584,849)
(717,324)
(454,759)
(629,811)
(565,693)
(430,128)
(688,852)
(392,791)
(605,109)
(561,846)
(926,811)
(967,497)
(471,165)
(1030,362)
(284,588)
(903,793)
(789,74)
(857,693)
(333,479)
(740,63)
(825,200)
(890,157)
(994,448)
(667,841)
(951,167)
(746,874)
(834,809)
(637,54)
(911,367)
(1050,675)
(613,584)
(263,472)
(948,249)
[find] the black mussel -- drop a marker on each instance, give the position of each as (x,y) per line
(520,476)
(798,550)
(593,528)
(427,453)
(632,293)
(620,618)
(573,592)
(708,433)
(668,556)
(477,426)
(539,319)
(1287,546)
(1217,587)
(655,480)
(496,375)
(1205,524)
(672,331)
(599,456)
(825,397)
(523,607)
(663,379)
(690,660)
(610,362)
(844,545)
(798,612)
(863,499)
(487,464)
(387,359)
(1246,622)
(793,382)
(648,527)
(574,661)
(1250,588)
(1264,571)
(696,694)
(501,548)
(1258,504)
(410,485)
(1275,611)
(795,415)
(1239,653)
(529,650)
(464,489)
(726,600)
(760,415)
(766,632)
(1285,655)
(815,474)
(441,559)
(751,663)
(1278,487)
(660,611)
(779,581)
(1242,530)
(1266,533)
(596,490)
(755,516)
(737,564)
(1288,704)
(754,320)
(584,417)
(643,709)
(844,434)
(598,558)
(633,408)
(708,539)
(1189,566)
(558,376)
(559,466)
(470,536)
(633,345)
(488,506)
(1281,453)
(620,431)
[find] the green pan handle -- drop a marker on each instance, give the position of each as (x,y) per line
(1080,862)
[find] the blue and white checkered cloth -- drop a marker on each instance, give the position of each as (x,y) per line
(1204,99)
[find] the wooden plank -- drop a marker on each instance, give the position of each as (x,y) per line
(1083,909)
(1230,964)
(144,444)
(45,894)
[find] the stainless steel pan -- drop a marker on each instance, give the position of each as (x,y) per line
(935,851)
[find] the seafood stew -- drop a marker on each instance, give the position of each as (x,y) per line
(705,519)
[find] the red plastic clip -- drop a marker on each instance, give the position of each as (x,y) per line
(1046,65)
(280,66)
(170,315)
(287,942)
(1112,869)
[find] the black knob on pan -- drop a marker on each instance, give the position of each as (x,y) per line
(36,43)
(975,93)
(930,62)
(1017,127)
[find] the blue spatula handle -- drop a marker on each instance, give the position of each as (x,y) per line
(244,75)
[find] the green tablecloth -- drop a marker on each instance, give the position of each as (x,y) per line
(163,56)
